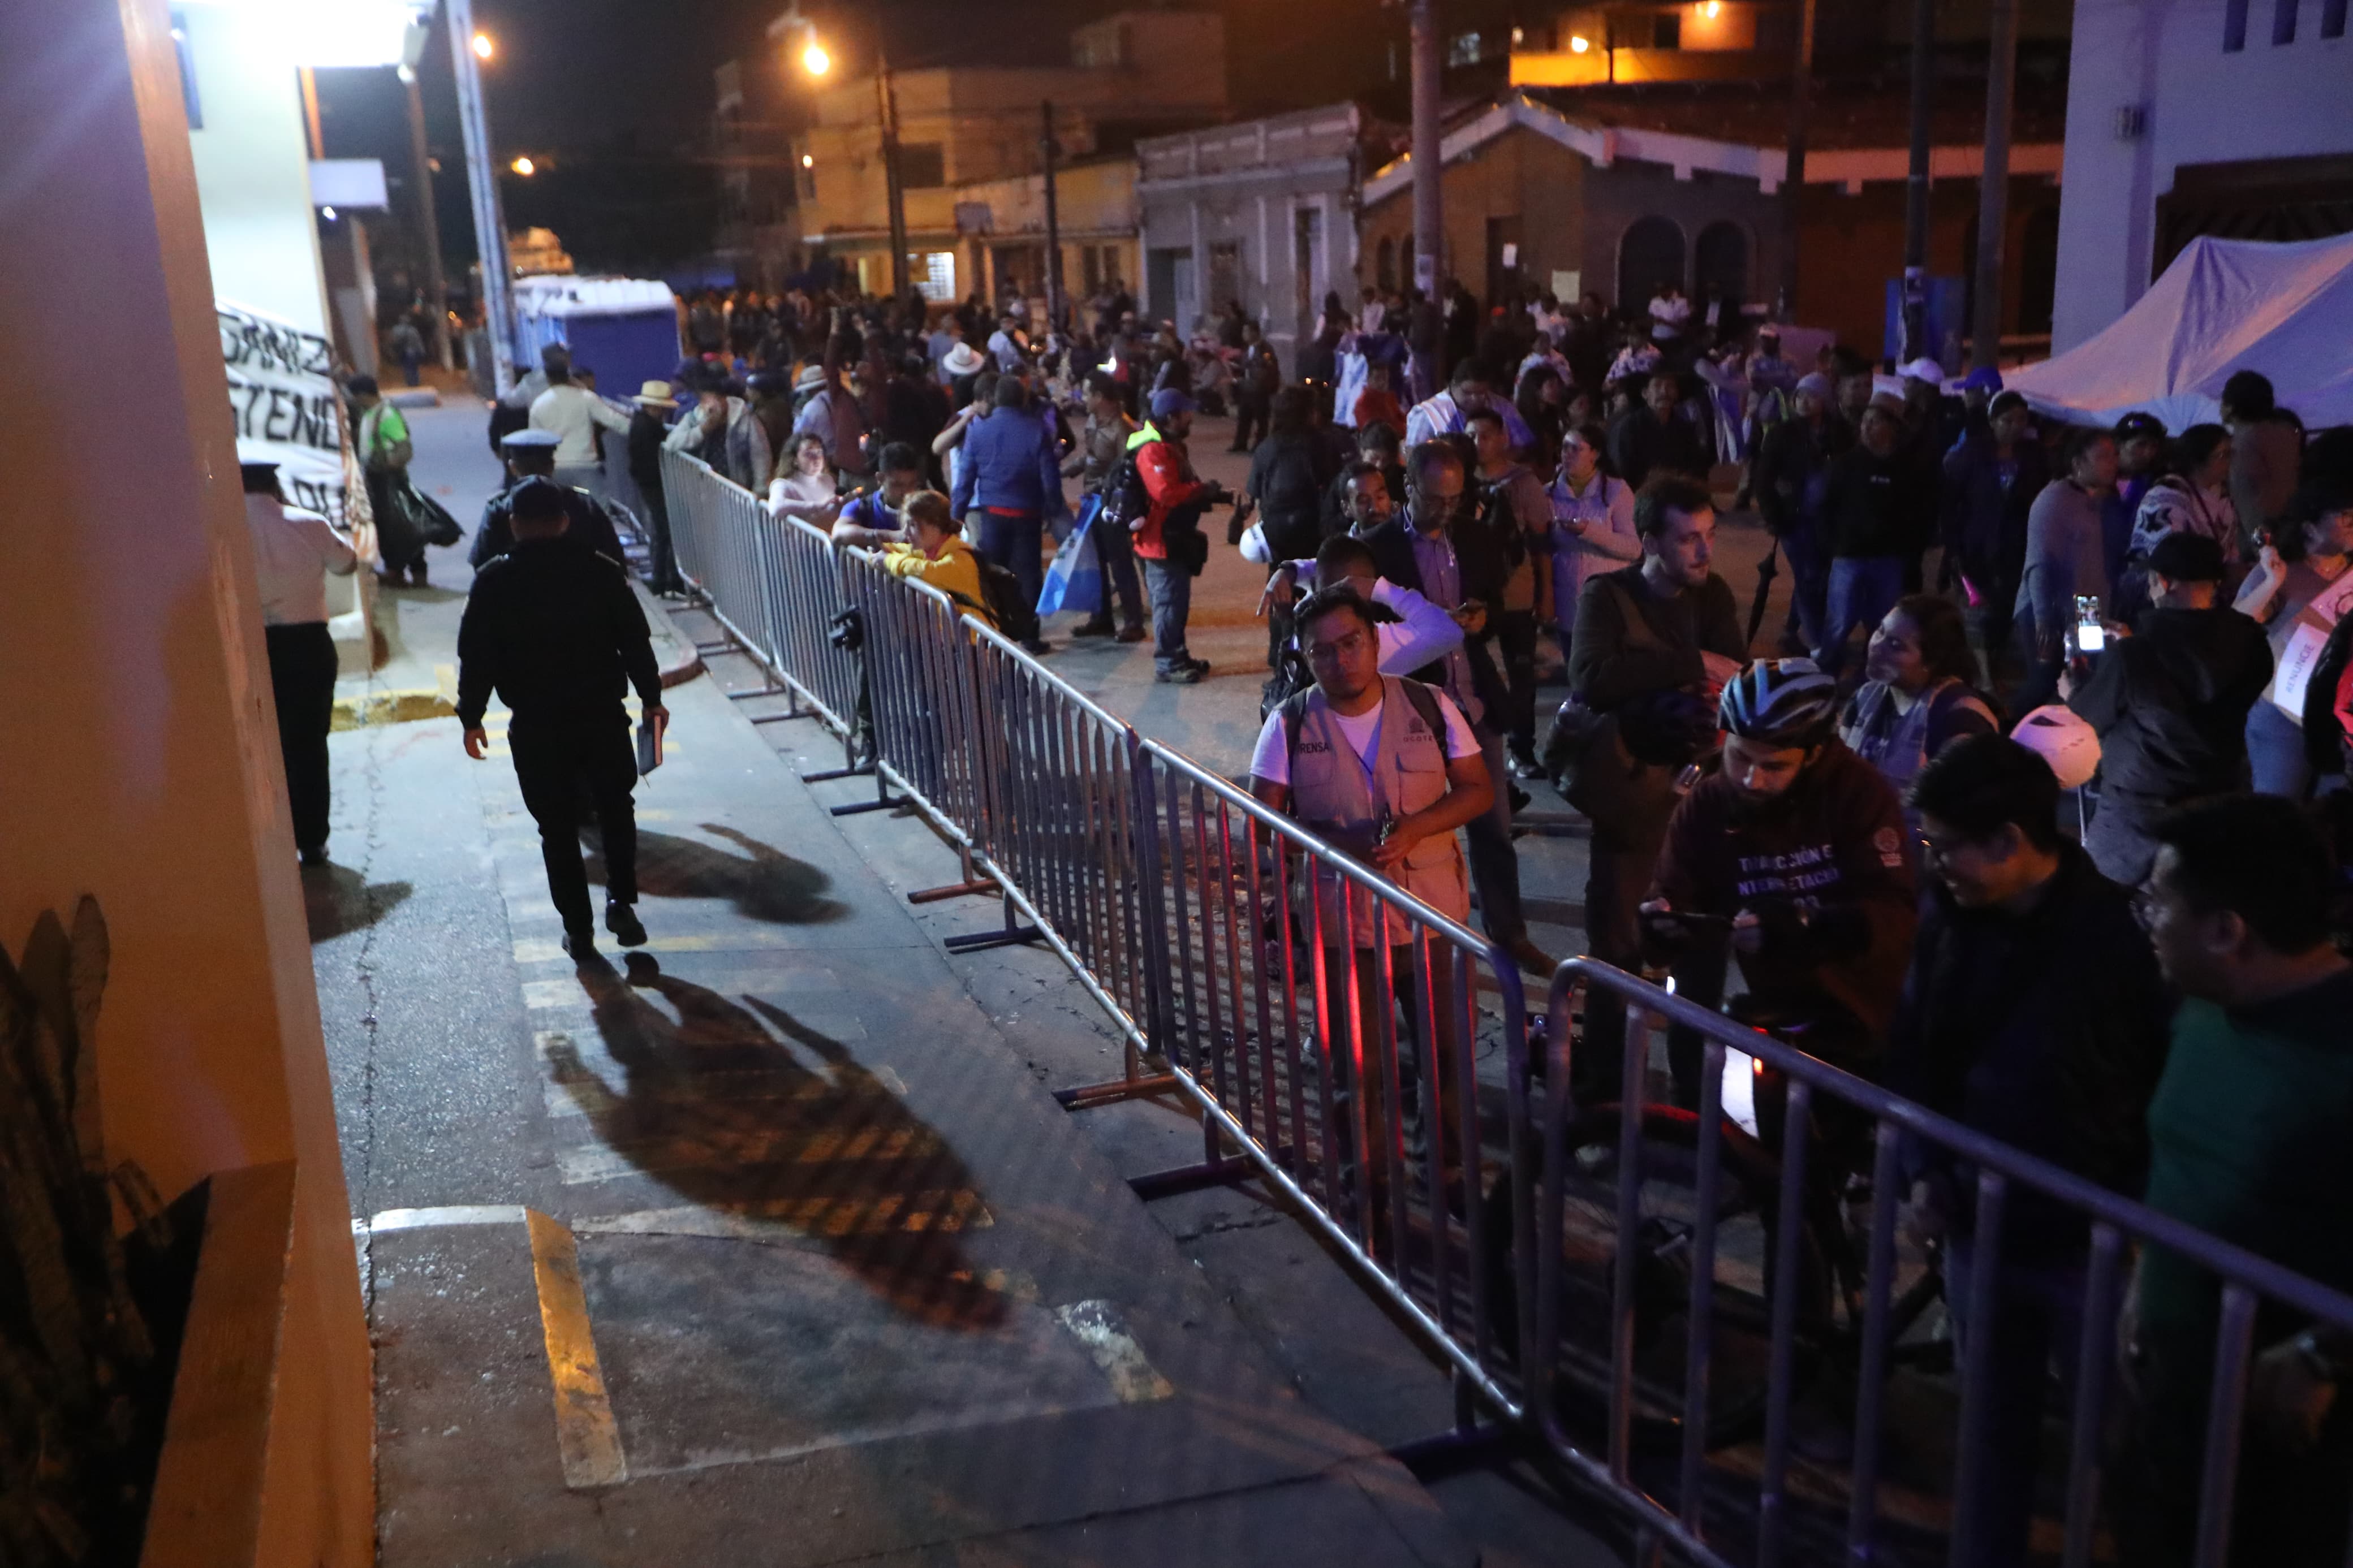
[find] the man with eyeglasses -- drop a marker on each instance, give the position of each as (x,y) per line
(1385,769)
(1444,549)
(2033,1013)
(2249,1141)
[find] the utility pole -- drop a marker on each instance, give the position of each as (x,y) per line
(1993,185)
(428,223)
(1428,235)
(1916,189)
(1048,149)
(1793,177)
(481,177)
(893,191)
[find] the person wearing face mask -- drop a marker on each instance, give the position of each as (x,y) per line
(1791,854)
(1917,697)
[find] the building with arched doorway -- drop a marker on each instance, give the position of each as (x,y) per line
(1570,194)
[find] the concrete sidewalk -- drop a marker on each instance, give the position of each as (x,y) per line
(766,1250)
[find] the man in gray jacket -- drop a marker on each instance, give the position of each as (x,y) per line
(2066,556)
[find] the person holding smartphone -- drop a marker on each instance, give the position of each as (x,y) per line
(2169,701)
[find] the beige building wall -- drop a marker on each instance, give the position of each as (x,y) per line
(141,765)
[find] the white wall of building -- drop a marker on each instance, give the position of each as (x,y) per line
(2198,105)
(253,166)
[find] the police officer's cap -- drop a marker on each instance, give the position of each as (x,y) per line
(537,499)
(529,439)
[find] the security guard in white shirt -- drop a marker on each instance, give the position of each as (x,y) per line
(293,550)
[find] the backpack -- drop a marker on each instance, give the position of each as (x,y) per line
(1002,602)
(1124,499)
(1423,697)
(1292,675)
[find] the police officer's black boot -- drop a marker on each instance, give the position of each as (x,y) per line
(622,921)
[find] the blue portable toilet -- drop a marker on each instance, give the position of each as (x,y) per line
(623,329)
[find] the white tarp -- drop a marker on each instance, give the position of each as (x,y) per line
(2224,305)
(281,388)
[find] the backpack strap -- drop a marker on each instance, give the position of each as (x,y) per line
(1425,703)
(1292,708)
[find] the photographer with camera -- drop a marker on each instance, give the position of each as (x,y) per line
(1168,530)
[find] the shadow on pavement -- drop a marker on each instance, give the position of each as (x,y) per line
(764,883)
(729,1115)
(337,900)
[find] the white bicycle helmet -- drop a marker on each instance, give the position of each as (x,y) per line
(1780,702)
(2062,740)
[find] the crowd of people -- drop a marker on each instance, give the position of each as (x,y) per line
(2128,627)
(2033,813)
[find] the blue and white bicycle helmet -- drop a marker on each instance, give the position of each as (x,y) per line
(1780,702)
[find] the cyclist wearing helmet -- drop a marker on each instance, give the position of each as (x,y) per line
(1795,850)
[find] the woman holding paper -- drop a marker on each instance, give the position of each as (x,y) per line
(2297,591)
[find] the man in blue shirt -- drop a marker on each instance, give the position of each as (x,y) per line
(1010,478)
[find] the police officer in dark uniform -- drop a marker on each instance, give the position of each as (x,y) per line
(531,454)
(557,631)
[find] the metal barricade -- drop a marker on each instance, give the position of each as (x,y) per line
(1058,829)
(1328,1025)
(717,529)
(927,723)
(804,593)
(1646,1309)
(1595,1274)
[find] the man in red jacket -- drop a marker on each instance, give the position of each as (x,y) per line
(1169,537)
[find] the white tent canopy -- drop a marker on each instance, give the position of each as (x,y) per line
(2224,305)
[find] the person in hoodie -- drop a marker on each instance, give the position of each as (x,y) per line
(2169,702)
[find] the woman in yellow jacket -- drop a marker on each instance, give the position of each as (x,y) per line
(938,554)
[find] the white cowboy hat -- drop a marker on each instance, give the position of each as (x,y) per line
(962,359)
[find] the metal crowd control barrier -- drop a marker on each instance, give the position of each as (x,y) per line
(1611,1262)
(1603,1171)
(774,586)
(1329,1024)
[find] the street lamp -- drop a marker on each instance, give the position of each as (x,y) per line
(817,62)
(524,167)
(483,47)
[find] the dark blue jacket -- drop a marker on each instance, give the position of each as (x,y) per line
(1984,527)
(1010,461)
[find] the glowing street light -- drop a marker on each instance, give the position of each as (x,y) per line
(483,47)
(809,160)
(815,61)
(524,167)
(1578,44)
